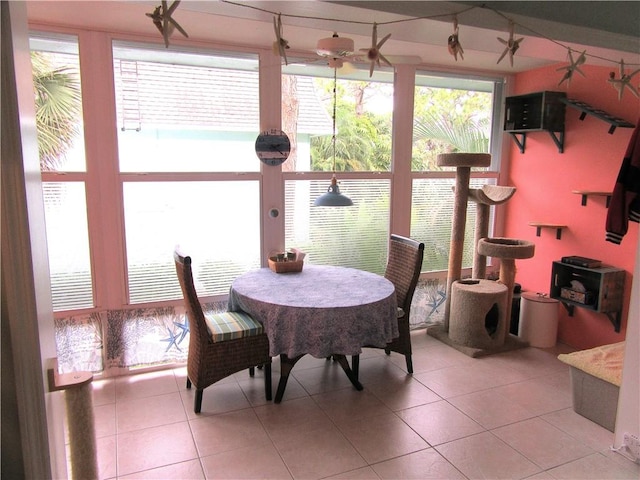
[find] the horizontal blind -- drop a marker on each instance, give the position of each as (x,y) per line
(68,245)
(431,219)
(217,223)
(355,236)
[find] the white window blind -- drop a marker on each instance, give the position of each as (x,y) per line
(68,245)
(355,236)
(216,223)
(431,217)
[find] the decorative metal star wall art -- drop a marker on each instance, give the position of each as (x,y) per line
(574,66)
(624,81)
(164,22)
(172,340)
(374,55)
(453,42)
(281,45)
(511,45)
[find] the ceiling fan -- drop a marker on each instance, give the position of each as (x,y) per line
(340,53)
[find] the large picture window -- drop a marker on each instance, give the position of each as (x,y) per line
(187,121)
(58,98)
(451,114)
(355,236)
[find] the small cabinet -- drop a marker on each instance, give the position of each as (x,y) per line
(535,112)
(604,289)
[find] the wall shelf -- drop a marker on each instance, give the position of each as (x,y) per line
(540,225)
(535,112)
(587,109)
(595,193)
(604,289)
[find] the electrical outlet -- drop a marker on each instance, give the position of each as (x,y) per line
(632,443)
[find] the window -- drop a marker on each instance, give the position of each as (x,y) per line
(56,74)
(355,236)
(187,121)
(450,115)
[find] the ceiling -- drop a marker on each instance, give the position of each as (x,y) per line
(607,30)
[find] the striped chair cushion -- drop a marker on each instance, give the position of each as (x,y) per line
(231,325)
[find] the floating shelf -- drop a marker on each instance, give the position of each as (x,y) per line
(539,226)
(595,193)
(585,109)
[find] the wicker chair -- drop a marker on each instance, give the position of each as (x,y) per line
(403,270)
(214,351)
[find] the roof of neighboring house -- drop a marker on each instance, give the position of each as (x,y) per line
(213,98)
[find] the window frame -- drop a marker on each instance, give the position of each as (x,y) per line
(104,181)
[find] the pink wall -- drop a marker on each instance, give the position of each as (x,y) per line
(545,179)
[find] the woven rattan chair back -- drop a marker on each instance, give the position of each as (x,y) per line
(403,270)
(210,361)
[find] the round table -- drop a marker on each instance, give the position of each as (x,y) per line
(322,311)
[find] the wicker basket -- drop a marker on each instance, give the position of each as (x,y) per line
(286,266)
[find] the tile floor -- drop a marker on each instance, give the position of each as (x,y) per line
(502,416)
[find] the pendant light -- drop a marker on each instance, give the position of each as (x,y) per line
(333,197)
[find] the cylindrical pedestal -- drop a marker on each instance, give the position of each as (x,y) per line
(478,313)
(79,407)
(538,322)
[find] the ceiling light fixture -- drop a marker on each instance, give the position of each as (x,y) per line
(333,197)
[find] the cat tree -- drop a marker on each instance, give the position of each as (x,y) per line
(478,311)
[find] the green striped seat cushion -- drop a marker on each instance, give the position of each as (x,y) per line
(231,325)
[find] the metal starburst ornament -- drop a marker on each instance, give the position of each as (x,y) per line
(165,23)
(511,45)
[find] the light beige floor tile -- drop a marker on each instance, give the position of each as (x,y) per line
(530,362)
(139,413)
(381,368)
(594,467)
(155,447)
(486,456)
(326,378)
(490,409)
(227,431)
(350,404)
(254,389)
(538,396)
(439,422)
(145,385)
(216,398)
(291,418)
(292,391)
(434,358)
(259,462)
(590,433)
(381,437)
(420,339)
(106,457)
(318,453)
(542,443)
(104,391)
(105,419)
(425,464)
(622,459)
(364,473)
(462,379)
(402,393)
(189,470)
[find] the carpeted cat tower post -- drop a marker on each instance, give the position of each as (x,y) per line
(463,162)
(478,311)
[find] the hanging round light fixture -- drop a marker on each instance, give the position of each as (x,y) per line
(333,197)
